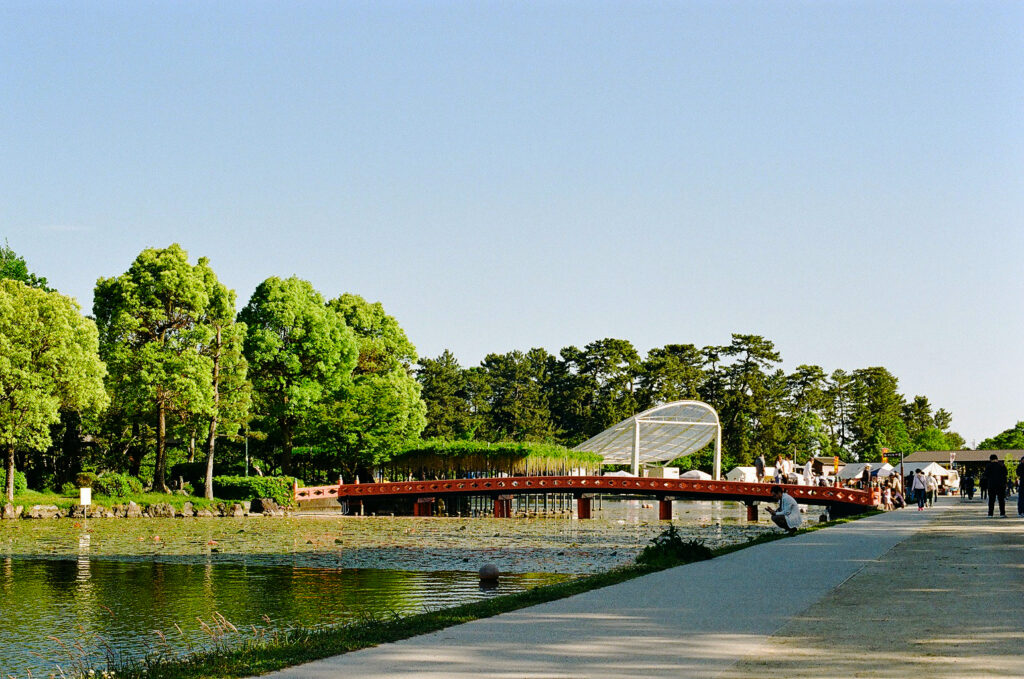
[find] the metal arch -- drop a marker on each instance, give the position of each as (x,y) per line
(623,441)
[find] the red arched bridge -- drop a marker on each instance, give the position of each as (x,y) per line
(841,501)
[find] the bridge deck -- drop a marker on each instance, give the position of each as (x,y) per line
(694,489)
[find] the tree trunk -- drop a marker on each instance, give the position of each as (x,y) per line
(9,486)
(160,468)
(211,441)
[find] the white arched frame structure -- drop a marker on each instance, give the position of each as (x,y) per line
(660,434)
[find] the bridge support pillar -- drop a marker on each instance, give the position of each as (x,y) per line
(424,506)
(665,510)
(503,507)
(583,507)
(751,512)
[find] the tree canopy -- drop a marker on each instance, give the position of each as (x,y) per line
(300,353)
(48,361)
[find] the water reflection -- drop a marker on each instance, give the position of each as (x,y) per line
(99,603)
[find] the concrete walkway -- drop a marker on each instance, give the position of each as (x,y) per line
(905,593)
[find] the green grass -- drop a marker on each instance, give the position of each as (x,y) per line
(261,651)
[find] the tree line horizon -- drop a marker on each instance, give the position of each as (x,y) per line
(166,371)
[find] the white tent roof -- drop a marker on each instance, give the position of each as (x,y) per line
(855,469)
(926,467)
(747,473)
(666,432)
(696,474)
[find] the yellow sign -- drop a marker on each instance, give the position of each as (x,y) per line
(835,464)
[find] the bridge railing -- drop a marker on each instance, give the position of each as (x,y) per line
(739,490)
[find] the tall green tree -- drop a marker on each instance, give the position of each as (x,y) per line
(445,393)
(299,354)
(670,373)
(517,393)
(154,324)
(48,361)
(379,410)
(752,389)
(231,391)
(877,414)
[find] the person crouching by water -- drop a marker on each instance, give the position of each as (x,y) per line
(787,516)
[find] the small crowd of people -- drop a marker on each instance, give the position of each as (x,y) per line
(924,488)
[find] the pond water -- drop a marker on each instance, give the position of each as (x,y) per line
(109,583)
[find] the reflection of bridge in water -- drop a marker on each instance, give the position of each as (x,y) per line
(840,501)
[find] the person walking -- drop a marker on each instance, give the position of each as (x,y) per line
(919,486)
(759,467)
(995,474)
(1020,487)
(969,486)
(932,484)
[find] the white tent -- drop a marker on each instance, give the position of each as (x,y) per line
(927,467)
(854,469)
(696,474)
(747,474)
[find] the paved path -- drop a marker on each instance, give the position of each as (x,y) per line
(814,605)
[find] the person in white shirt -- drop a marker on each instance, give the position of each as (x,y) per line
(808,474)
(787,516)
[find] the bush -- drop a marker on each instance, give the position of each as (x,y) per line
(277,488)
(669,549)
(85,479)
(113,484)
(69,489)
(20,482)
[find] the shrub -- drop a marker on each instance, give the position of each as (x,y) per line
(20,482)
(69,489)
(113,484)
(669,549)
(85,479)
(277,488)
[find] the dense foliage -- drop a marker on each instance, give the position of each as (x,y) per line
(298,385)
(280,489)
(565,399)
(113,484)
(20,482)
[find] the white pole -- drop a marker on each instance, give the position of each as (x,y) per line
(718,453)
(636,447)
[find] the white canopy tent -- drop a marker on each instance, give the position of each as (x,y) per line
(748,474)
(855,469)
(660,434)
(926,467)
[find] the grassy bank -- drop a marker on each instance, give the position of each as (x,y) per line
(238,654)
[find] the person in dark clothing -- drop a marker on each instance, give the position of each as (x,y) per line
(969,487)
(759,468)
(995,475)
(1020,487)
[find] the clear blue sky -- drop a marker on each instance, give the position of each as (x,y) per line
(844,178)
